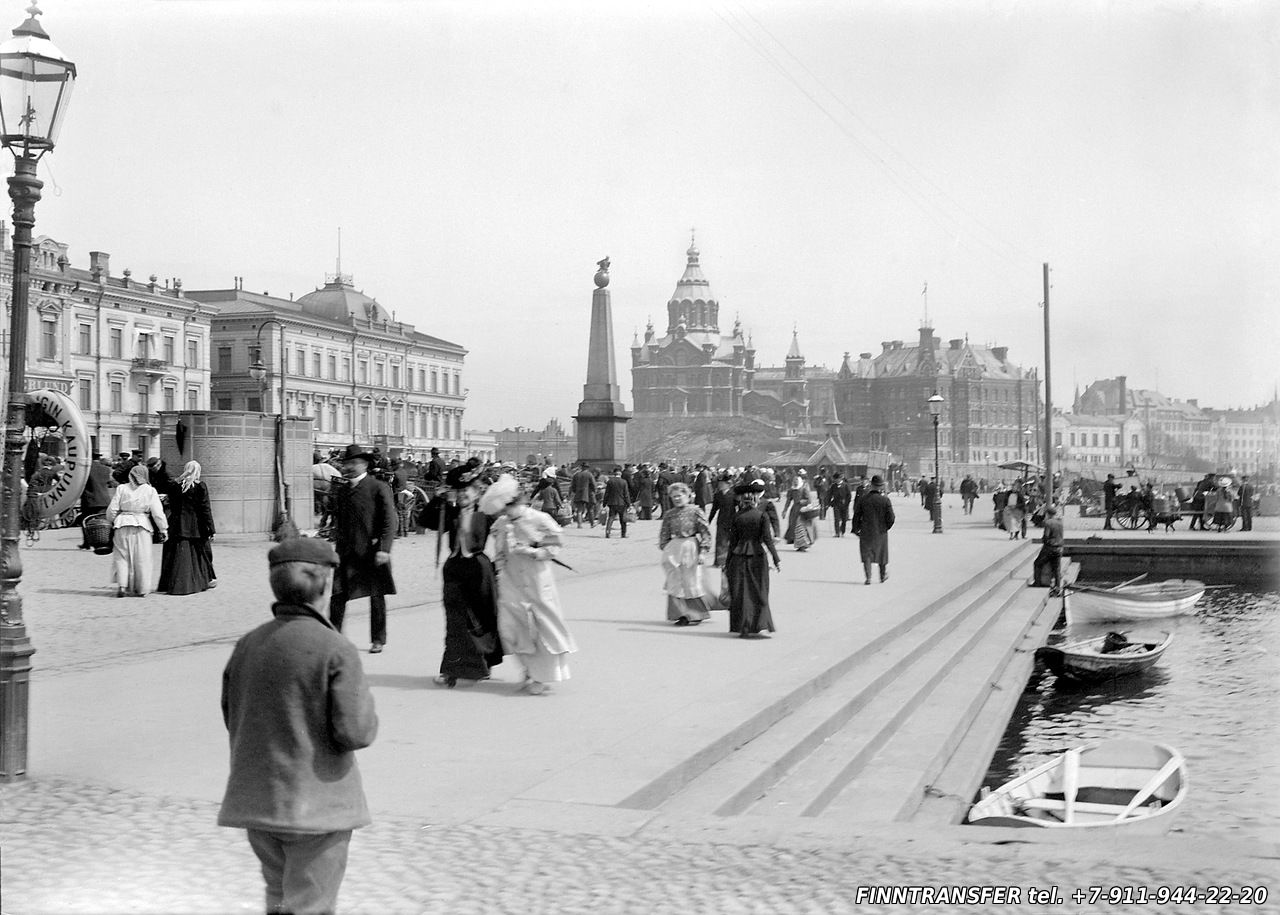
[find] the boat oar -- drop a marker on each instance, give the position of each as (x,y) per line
(1070,782)
(1129,582)
(1151,786)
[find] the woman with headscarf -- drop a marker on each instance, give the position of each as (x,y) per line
(135,513)
(800,528)
(750,548)
(546,495)
(529,620)
(684,539)
(186,564)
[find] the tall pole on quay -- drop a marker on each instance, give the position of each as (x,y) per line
(258,371)
(35,88)
(1048,401)
(935,506)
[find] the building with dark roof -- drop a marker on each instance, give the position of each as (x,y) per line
(988,402)
(694,370)
(349,364)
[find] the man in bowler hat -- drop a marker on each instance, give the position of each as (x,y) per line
(872,518)
(364,526)
(297,707)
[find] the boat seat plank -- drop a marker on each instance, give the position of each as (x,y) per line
(1050,804)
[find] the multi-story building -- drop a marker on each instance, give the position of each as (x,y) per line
(694,370)
(121,349)
(990,412)
(348,364)
(551,442)
(1113,441)
(1177,430)
(1247,440)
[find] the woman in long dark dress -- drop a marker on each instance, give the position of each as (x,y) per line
(469,594)
(186,563)
(750,546)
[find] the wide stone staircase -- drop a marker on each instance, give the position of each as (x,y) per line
(899,731)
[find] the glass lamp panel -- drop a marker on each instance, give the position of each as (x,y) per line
(35,90)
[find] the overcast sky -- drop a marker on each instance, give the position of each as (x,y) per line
(834,158)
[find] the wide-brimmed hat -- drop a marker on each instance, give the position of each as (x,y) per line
(358,451)
(877,481)
(500,494)
(462,476)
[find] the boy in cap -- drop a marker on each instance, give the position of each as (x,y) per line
(297,707)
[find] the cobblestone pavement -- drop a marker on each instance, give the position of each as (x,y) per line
(84,849)
(78,846)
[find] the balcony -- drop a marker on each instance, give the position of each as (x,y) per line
(146,420)
(152,368)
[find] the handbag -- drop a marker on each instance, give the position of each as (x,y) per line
(810,510)
(157,537)
(486,642)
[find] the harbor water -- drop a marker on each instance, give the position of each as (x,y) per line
(1214,696)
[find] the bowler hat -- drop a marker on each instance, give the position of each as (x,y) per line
(303,549)
(358,451)
(877,480)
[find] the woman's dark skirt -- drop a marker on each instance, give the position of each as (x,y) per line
(186,566)
(749,593)
(471,643)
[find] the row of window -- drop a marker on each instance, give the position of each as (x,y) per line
(369,419)
(146,345)
(1086,437)
(315,364)
(115,397)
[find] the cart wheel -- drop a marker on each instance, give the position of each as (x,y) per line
(1132,519)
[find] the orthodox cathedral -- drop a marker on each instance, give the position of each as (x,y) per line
(694,370)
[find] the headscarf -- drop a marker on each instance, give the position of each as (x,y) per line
(190,475)
(138,475)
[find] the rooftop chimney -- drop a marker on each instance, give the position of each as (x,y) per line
(956,343)
(99,265)
(886,345)
(1122,382)
(864,355)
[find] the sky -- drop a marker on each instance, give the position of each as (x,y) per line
(834,158)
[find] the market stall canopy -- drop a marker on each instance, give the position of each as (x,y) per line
(1021,466)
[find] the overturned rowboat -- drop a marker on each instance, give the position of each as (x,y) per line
(1129,784)
(1132,602)
(1105,657)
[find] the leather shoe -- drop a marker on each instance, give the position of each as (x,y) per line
(375,648)
(884,576)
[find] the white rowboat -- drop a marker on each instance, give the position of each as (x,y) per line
(1132,602)
(1129,784)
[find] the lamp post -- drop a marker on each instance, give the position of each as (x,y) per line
(935,508)
(35,89)
(1026,444)
(258,371)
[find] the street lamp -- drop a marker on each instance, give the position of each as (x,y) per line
(935,509)
(35,88)
(258,372)
(1026,444)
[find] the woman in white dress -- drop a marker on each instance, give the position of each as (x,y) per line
(529,620)
(135,511)
(684,540)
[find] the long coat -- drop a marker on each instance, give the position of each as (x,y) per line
(365,522)
(297,707)
(615,493)
(190,516)
(872,518)
(97,489)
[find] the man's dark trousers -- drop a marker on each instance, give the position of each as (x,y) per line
(621,515)
(377,616)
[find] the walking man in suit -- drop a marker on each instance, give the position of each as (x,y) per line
(617,498)
(872,518)
(1246,504)
(839,496)
(583,487)
(364,527)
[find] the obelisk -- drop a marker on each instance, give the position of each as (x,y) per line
(602,420)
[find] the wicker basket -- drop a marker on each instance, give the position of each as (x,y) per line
(97,532)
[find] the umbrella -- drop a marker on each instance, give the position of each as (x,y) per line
(1021,466)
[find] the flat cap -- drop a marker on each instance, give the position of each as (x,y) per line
(303,549)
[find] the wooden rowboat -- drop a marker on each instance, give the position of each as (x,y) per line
(1102,658)
(1129,784)
(1132,602)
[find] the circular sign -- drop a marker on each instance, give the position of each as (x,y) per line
(69,484)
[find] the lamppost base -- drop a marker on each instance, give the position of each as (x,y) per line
(937,518)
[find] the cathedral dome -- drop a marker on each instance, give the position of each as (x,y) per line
(338,300)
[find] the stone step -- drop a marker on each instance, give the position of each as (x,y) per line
(894,783)
(734,781)
(811,786)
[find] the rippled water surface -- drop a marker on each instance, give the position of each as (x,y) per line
(1215,696)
